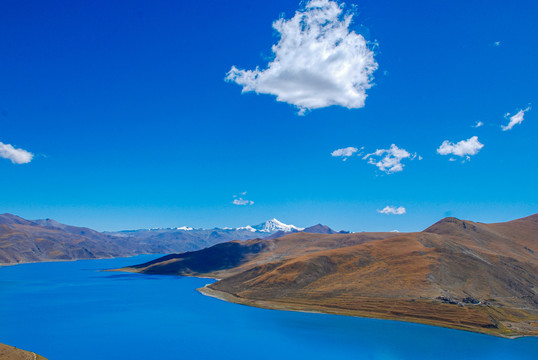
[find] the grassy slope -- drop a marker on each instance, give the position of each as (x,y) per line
(12,353)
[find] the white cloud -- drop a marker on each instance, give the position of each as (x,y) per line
(463,148)
(497,43)
(478,124)
(345,152)
(392,210)
(17,156)
(318,61)
(240,201)
(391,162)
(515,119)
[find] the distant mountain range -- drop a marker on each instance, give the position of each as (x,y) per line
(24,240)
(456,273)
(268,227)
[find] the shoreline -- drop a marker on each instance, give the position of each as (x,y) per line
(271,305)
(68,260)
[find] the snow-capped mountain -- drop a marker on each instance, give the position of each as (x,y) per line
(273,225)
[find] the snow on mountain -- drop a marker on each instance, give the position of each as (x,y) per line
(248,227)
(185,228)
(272,226)
(269,226)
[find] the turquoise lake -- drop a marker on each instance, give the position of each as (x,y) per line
(72,310)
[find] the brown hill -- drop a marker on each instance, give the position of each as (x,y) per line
(12,353)
(251,252)
(456,273)
(25,241)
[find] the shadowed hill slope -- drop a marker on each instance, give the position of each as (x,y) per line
(456,273)
(219,257)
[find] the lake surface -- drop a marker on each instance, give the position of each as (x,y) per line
(71,310)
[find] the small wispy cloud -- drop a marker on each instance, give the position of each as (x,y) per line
(463,148)
(238,200)
(241,201)
(497,43)
(17,156)
(344,153)
(389,160)
(515,119)
(392,210)
(478,124)
(318,61)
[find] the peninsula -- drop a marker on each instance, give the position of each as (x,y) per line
(456,273)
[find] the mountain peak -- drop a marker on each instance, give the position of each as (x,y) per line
(319,229)
(50,223)
(450,226)
(275,225)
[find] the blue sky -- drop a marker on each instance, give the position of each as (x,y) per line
(125,108)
